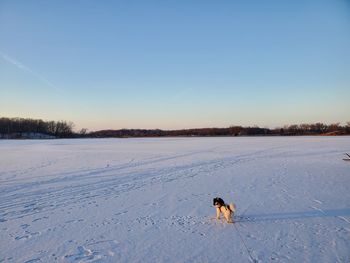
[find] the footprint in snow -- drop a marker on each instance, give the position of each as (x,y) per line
(40,218)
(24,226)
(32,260)
(318,201)
(27,235)
(85,255)
(74,221)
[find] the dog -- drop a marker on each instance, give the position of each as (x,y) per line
(228,210)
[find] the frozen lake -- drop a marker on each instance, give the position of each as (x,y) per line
(150,200)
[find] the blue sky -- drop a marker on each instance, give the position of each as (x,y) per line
(175,64)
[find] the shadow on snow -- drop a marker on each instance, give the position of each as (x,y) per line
(295,215)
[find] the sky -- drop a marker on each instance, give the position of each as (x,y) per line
(176,64)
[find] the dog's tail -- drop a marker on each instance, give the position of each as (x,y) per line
(232,207)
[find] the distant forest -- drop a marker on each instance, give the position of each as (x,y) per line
(17,128)
(14,128)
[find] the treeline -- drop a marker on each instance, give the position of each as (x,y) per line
(232,131)
(36,128)
(316,129)
(291,130)
(21,127)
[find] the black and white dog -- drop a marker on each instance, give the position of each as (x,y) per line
(227,210)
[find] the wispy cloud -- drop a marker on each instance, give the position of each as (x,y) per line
(27,69)
(181,94)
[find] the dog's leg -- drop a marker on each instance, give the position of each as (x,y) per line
(217,213)
(228,217)
(230,220)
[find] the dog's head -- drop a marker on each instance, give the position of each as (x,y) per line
(218,202)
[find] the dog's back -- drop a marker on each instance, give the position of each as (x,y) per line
(232,207)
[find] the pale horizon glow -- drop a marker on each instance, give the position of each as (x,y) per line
(176,65)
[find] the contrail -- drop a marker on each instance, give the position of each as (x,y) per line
(27,69)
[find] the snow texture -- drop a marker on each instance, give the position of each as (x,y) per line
(150,200)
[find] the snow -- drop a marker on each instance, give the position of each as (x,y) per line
(150,200)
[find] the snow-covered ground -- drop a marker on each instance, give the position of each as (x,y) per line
(150,200)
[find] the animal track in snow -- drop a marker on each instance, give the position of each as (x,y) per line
(32,260)
(27,235)
(75,221)
(83,255)
(185,224)
(317,201)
